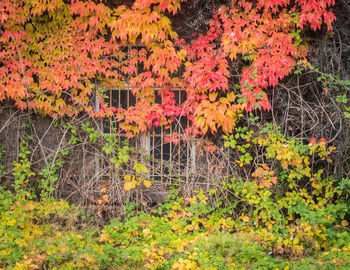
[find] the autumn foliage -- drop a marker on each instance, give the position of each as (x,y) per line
(54,54)
(243,192)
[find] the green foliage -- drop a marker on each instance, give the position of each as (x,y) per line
(184,233)
(330,81)
(22,172)
(120,153)
(33,237)
(93,133)
(49,176)
(2,168)
(292,206)
(287,214)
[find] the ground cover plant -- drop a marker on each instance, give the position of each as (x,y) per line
(289,217)
(265,102)
(181,234)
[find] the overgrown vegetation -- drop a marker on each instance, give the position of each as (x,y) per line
(290,214)
(181,234)
(266,109)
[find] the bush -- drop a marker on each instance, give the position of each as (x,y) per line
(288,215)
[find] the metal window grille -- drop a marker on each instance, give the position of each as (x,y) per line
(166,160)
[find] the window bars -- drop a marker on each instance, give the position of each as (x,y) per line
(165,160)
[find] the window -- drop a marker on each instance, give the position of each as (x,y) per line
(169,159)
(166,160)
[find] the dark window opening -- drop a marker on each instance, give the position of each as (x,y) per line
(164,159)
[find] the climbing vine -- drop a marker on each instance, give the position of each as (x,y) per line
(54,53)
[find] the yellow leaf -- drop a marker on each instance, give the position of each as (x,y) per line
(269,226)
(183,54)
(192,200)
(129,185)
(231,96)
(127,177)
(307,228)
(344,223)
(212,96)
(105,198)
(146,231)
(284,165)
(245,218)
(296,241)
(147,183)
(11,222)
(200,122)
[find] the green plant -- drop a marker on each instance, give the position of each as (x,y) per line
(2,167)
(49,176)
(22,173)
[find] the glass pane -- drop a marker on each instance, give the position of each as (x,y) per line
(166,151)
(115,98)
(156,149)
(123,103)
